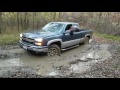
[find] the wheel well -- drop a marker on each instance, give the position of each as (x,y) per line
(88,36)
(57,43)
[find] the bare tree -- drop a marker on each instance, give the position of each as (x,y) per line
(106,22)
(34,13)
(26,21)
(0,22)
(21,19)
(54,16)
(18,20)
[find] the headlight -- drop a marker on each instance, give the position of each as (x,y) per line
(20,35)
(38,43)
(39,40)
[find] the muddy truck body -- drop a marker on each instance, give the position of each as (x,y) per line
(54,37)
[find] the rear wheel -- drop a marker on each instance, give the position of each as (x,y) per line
(53,50)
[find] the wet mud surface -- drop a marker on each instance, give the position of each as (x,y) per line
(86,61)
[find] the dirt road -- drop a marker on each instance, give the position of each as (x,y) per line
(98,59)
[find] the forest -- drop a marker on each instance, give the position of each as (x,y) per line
(13,23)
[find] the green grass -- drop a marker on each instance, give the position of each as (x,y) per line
(10,36)
(8,39)
(107,36)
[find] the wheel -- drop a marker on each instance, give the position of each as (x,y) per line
(53,50)
(86,41)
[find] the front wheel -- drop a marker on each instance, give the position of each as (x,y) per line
(53,50)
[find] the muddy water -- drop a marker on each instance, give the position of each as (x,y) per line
(90,58)
(86,55)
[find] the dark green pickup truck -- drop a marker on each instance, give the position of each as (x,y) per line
(55,37)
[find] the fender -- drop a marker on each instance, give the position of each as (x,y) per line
(88,35)
(55,40)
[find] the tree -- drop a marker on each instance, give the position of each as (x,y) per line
(18,20)
(0,22)
(60,16)
(21,19)
(54,16)
(26,21)
(34,13)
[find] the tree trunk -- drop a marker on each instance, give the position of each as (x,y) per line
(99,18)
(0,22)
(26,21)
(18,20)
(54,16)
(34,16)
(21,20)
(60,16)
(33,21)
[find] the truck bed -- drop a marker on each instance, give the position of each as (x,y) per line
(83,29)
(79,30)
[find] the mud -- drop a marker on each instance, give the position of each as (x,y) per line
(17,63)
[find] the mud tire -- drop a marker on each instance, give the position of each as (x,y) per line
(53,50)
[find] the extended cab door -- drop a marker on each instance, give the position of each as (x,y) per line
(77,34)
(68,39)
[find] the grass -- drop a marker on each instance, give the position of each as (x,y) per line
(107,36)
(10,36)
(9,39)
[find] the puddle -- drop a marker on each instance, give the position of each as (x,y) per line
(11,63)
(46,65)
(53,73)
(91,57)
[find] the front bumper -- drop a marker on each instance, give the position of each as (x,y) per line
(30,47)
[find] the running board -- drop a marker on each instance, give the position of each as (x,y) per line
(70,47)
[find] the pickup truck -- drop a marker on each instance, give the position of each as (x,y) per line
(54,37)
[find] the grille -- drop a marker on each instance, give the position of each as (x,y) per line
(28,40)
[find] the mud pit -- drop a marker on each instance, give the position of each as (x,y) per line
(77,60)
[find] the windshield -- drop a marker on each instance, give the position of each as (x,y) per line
(53,27)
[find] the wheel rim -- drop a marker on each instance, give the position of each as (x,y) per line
(52,52)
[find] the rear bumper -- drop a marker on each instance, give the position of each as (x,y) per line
(29,47)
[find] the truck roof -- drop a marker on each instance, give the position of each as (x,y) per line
(65,22)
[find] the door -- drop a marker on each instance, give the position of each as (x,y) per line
(77,34)
(70,39)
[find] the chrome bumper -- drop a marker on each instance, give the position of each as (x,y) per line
(29,47)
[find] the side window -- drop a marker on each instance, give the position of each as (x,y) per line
(77,28)
(68,27)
